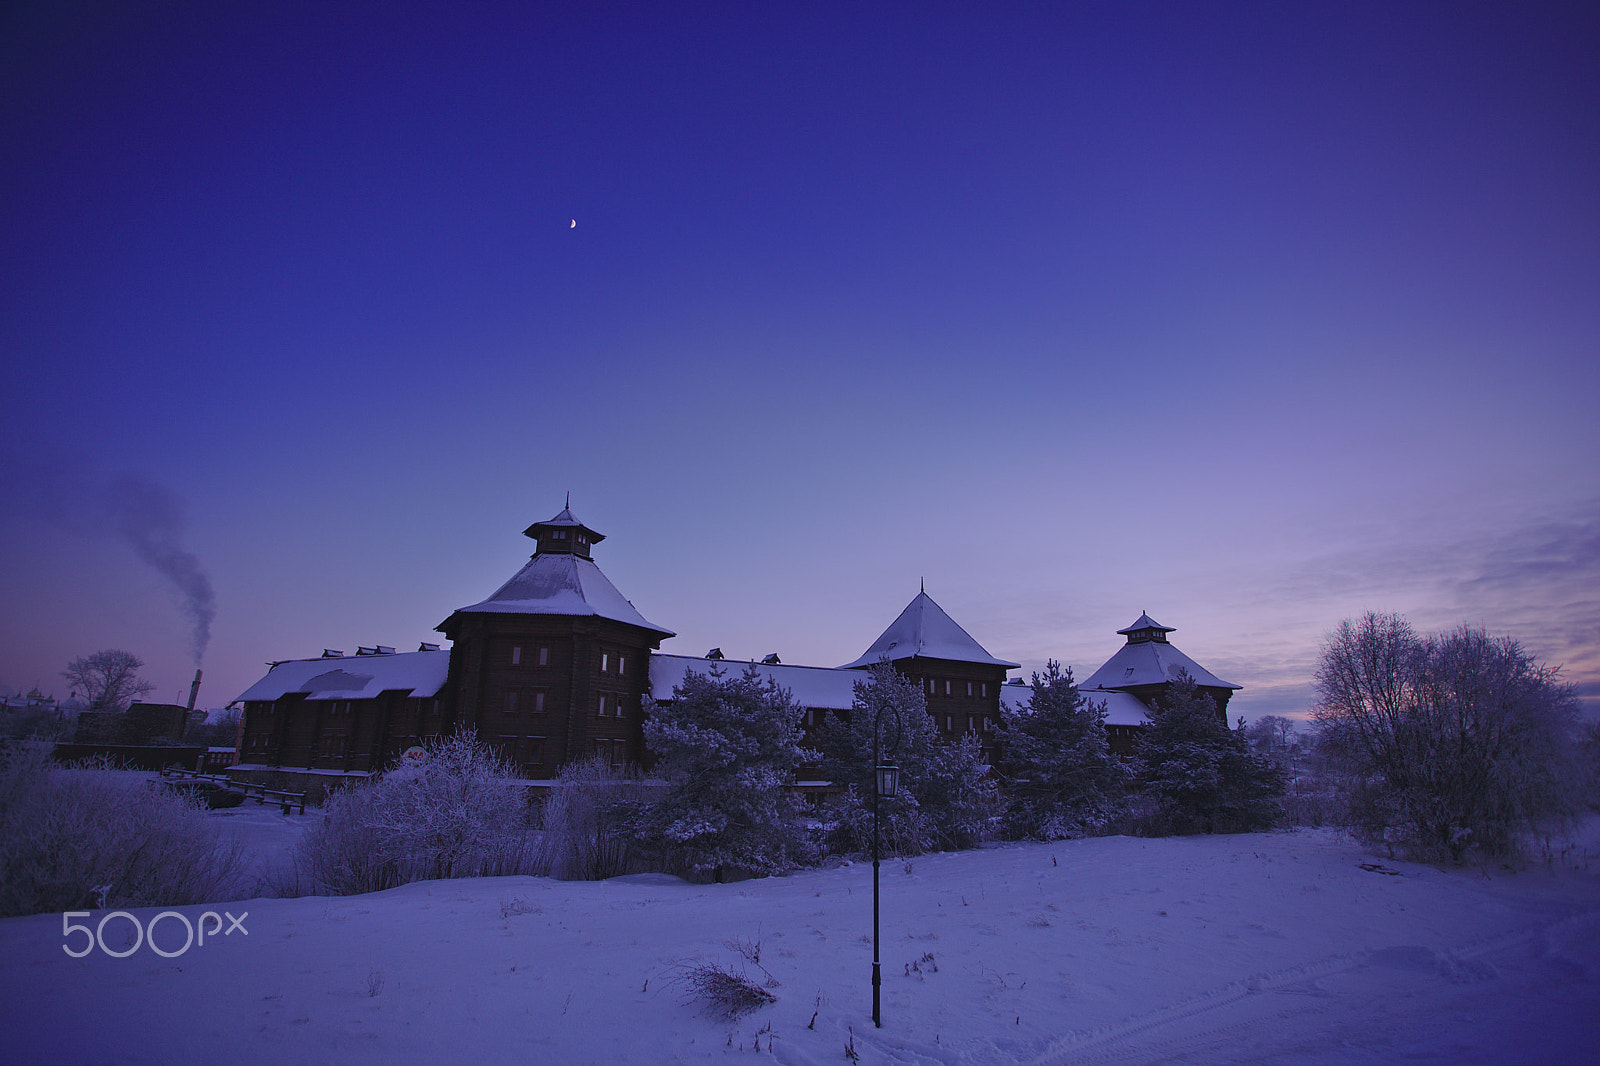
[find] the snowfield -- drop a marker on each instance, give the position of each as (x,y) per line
(1286,947)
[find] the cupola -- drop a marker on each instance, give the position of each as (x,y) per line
(1145,630)
(563,535)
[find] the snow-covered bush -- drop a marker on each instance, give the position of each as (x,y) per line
(1065,781)
(946,792)
(1198,775)
(728,747)
(590,821)
(76,838)
(458,812)
(1447,743)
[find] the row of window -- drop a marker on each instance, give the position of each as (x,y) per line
(541,655)
(534,703)
(950,688)
(976,723)
(611,662)
(607,704)
(525,751)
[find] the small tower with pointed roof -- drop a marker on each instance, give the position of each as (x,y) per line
(552,668)
(959,678)
(1146,666)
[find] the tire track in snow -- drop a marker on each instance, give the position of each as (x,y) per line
(1129,1040)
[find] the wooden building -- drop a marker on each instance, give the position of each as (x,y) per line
(554,667)
(1141,672)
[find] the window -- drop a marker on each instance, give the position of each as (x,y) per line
(605,661)
(985,688)
(602,704)
(947,687)
(969,688)
(544,656)
(620,662)
(511,702)
(516,656)
(949,723)
(931,684)
(538,702)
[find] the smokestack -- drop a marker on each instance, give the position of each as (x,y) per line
(194,690)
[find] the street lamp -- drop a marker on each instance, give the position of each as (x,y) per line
(886,781)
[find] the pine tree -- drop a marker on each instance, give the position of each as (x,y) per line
(946,790)
(1065,781)
(728,748)
(1199,772)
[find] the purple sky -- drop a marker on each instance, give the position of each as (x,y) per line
(1252,317)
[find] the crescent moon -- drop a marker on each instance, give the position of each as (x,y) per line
(574,224)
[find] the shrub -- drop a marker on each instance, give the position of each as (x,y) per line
(76,838)
(458,812)
(590,820)
(724,992)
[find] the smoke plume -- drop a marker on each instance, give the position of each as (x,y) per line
(149,516)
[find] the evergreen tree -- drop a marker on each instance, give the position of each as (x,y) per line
(1199,772)
(728,748)
(946,790)
(1065,781)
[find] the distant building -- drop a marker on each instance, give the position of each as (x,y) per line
(141,723)
(555,665)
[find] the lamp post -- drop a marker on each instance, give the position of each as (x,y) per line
(886,781)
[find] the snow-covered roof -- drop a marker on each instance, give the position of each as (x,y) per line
(1122,708)
(810,686)
(566,519)
(924,629)
(1146,622)
(1149,663)
(361,677)
(562,584)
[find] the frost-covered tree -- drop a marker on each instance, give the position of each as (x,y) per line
(728,746)
(1065,781)
(1448,742)
(109,679)
(1200,774)
(1272,735)
(946,790)
(458,812)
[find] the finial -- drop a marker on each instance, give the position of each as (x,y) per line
(922,585)
(569,498)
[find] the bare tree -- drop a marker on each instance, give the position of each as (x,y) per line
(1447,742)
(109,679)
(1273,735)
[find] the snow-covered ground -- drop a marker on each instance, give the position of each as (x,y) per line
(1287,947)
